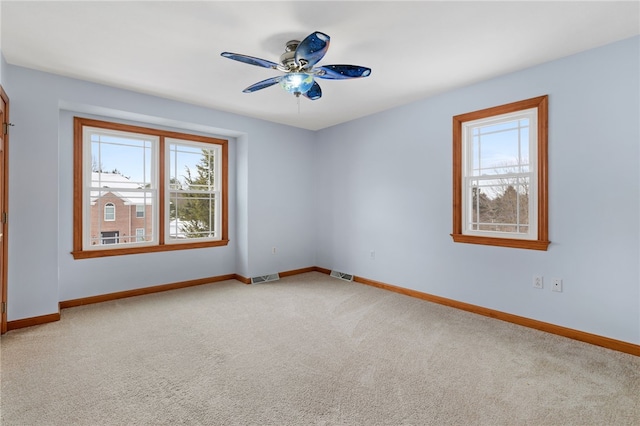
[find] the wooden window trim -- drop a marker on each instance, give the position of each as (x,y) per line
(542,240)
(79,253)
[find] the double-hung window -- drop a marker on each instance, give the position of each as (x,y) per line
(138,190)
(500,175)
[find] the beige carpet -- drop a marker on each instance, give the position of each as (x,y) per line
(306,350)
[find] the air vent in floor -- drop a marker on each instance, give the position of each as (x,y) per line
(265,278)
(342,276)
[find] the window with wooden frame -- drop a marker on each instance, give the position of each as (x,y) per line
(500,176)
(139,190)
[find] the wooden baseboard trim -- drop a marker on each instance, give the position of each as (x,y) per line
(297,271)
(582,336)
(243,280)
(594,339)
(142,291)
(29,322)
(323,270)
(246,280)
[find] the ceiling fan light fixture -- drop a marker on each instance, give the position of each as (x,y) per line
(297,83)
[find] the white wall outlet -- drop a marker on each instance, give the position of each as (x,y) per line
(557,284)
(537,281)
(273,250)
(372,254)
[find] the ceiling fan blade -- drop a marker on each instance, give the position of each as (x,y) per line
(263,84)
(312,49)
(314,93)
(341,72)
(250,60)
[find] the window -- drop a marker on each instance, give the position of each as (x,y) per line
(157,190)
(109,237)
(500,176)
(109,212)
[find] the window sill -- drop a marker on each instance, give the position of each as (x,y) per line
(89,254)
(501,242)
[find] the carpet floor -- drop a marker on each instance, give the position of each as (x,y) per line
(305,350)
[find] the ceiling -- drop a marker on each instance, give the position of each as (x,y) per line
(415,49)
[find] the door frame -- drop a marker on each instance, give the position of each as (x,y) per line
(5,203)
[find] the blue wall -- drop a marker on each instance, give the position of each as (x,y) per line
(387,187)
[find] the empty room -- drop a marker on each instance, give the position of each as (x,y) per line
(320,213)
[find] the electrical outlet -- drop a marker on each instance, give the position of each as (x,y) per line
(273,250)
(537,281)
(557,284)
(372,255)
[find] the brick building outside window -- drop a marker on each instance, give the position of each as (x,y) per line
(119,216)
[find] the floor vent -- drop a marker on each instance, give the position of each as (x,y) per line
(265,278)
(342,276)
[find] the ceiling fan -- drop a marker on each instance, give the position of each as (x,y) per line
(298,62)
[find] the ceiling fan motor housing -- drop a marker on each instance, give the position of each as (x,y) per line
(287,59)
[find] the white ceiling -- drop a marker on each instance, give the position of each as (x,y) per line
(415,49)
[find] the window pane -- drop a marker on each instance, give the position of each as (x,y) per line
(499,205)
(193,194)
(192,215)
(124,155)
(500,148)
(119,207)
(192,167)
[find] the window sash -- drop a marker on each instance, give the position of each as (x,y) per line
(472,132)
(93,190)
(206,195)
(520,213)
